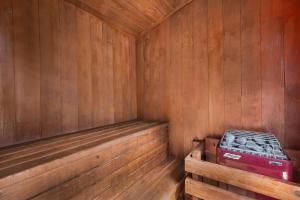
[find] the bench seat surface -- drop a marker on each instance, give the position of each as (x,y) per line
(34,169)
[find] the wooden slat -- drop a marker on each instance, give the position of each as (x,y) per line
(55,163)
(27,69)
(250,181)
(206,191)
(17,165)
(272,62)
(250,64)
(292,72)
(225,61)
(7,70)
(102,63)
(42,152)
(197,154)
(132,68)
(161,20)
(84,80)
(231,63)
(201,74)
(69,69)
(5,152)
(215,66)
(121,27)
(161,186)
(78,184)
(51,99)
(17,148)
(211,145)
(46,60)
(175,82)
(160,183)
(188,77)
(133,17)
(122,98)
(66,170)
(125,177)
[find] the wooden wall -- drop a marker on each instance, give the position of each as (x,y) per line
(61,70)
(219,64)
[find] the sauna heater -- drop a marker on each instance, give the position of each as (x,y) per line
(256,152)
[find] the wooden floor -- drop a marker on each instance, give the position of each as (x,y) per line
(82,165)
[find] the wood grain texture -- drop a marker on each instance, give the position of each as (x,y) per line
(69,69)
(51,98)
(121,77)
(228,64)
(7,69)
(250,181)
(84,81)
(133,17)
(250,64)
(272,63)
(102,63)
(57,68)
(215,66)
(27,69)
(187,78)
(207,191)
(232,63)
(292,71)
(160,183)
(63,172)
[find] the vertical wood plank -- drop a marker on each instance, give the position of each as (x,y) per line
(124,74)
(118,82)
(97,63)
(232,63)
(215,66)
(108,86)
(69,68)
(292,72)
(132,76)
(122,77)
(165,61)
(251,68)
(47,85)
(27,66)
(200,62)
(188,79)
(255,36)
(84,70)
(154,75)
(140,65)
(51,120)
(102,84)
(175,102)
(7,85)
(272,63)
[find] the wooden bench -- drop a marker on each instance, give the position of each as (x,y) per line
(83,165)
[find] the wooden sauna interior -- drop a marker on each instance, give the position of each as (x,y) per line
(103,99)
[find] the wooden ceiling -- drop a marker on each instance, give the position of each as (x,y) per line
(132,16)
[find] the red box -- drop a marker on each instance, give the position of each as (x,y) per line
(281,169)
(257,162)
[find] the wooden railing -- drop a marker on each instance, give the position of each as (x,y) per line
(242,179)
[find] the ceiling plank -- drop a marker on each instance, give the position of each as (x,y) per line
(135,17)
(179,7)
